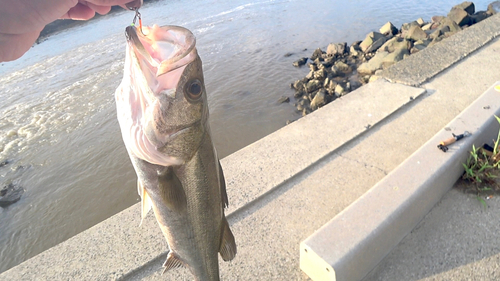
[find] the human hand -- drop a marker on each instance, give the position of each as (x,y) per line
(21,21)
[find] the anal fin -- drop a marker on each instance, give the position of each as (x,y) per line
(173,261)
(145,200)
(227,248)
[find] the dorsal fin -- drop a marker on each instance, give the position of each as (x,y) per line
(173,261)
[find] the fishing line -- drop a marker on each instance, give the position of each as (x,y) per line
(137,17)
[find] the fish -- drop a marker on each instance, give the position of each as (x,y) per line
(163,115)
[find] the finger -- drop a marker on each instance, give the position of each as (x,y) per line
(109,2)
(79,12)
(102,10)
(21,16)
(13,46)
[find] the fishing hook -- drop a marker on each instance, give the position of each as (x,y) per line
(137,17)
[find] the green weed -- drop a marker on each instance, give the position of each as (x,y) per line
(482,168)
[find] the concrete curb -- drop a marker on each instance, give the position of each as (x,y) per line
(357,239)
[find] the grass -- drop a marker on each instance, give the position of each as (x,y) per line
(482,171)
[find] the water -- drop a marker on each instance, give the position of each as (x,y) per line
(58,126)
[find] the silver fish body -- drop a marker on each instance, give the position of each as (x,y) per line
(163,115)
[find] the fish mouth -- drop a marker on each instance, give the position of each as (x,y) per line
(164,49)
(179,130)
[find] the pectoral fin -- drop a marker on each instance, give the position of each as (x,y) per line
(227,248)
(171,190)
(173,261)
(145,200)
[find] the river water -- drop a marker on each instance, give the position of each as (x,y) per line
(58,129)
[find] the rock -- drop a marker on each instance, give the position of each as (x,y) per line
(306,111)
(466,6)
(318,61)
(319,99)
(328,62)
(331,86)
(394,57)
(377,44)
(354,51)
(313,85)
(356,44)
(421,22)
(373,78)
(310,75)
(10,194)
(406,26)
(326,82)
(343,67)
(389,28)
(395,43)
(494,7)
(334,49)
(355,84)
(453,26)
(320,74)
(302,104)
(426,27)
(300,62)
(371,38)
(335,71)
(373,64)
(422,42)
(283,99)
(317,54)
(299,84)
(347,86)
(416,33)
(339,90)
(288,55)
(479,16)
(437,19)
(313,66)
(460,16)
(417,48)
(299,94)
(437,33)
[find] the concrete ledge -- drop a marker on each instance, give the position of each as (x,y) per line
(424,65)
(118,249)
(357,239)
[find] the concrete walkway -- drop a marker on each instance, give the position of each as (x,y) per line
(287,185)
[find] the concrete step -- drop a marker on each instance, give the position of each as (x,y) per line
(357,239)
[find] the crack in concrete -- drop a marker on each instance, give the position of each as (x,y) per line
(363,163)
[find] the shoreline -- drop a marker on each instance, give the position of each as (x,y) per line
(343,68)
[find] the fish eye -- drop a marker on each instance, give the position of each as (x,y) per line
(193,90)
